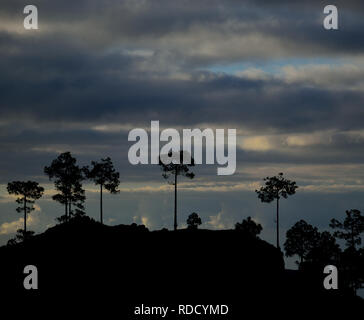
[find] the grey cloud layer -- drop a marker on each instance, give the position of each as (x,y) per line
(97,60)
(203,32)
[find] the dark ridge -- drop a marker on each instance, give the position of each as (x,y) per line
(132,265)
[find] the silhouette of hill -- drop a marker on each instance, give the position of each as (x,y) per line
(131,265)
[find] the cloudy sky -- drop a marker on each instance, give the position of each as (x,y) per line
(97,69)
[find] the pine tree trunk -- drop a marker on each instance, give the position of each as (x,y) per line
(175,201)
(101,213)
(25,217)
(66,210)
(278,223)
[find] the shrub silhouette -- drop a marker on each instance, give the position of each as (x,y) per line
(325,251)
(193,221)
(20,236)
(249,227)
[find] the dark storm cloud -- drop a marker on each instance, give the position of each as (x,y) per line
(83,87)
(234,29)
(76,67)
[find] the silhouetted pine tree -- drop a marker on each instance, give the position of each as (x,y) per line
(68,179)
(300,240)
(275,188)
(351,259)
(352,227)
(176,168)
(103,174)
(29,192)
